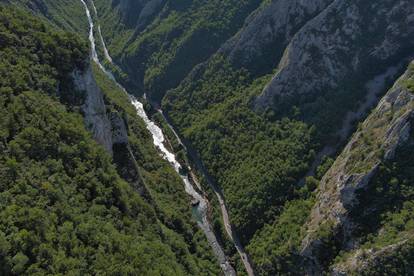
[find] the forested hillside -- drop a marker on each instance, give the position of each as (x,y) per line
(66,14)
(296,117)
(365,199)
(64,208)
(260,158)
(157,54)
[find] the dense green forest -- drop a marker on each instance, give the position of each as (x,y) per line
(64,208)
(159,54)
(389,215)
(257,162)
(164,186)
(65,14)
(257,158)
(129,214)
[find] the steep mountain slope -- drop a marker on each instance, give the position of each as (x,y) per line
(137,14)
(211,108)
(66,14)
(360,220)
(159,53)
(317,64)
(259,45)
(363,184)
(258,92)
(66,208)
(258,158)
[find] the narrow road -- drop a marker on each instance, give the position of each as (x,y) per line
(201,209)
(219,194)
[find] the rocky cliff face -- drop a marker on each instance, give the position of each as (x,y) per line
(107,128)
(268,31)
(96,118)
(347,40)
(363,259)
(317,47)
(119,129)
(376,140)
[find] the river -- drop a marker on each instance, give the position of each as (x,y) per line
(220,197)
(200,202)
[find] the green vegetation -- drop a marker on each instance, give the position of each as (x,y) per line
(257,159)
(409,83)
(275,249)
(69,208)
(389,201)
(68,15)
(388,216)
(257,162)
(368,147)
(164,185)
(399,262)
(161,53)
(64,208)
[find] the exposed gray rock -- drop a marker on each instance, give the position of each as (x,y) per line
(377,139)
(343,41)
(119,129)
(362,259)
(95,115)
(269,30)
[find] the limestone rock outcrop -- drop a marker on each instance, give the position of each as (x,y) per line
(376,140)
(108,128)
(348,39)
(269,30)
(95,115)
(363,259)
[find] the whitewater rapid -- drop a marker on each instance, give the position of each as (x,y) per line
(159,142)
(200,202)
